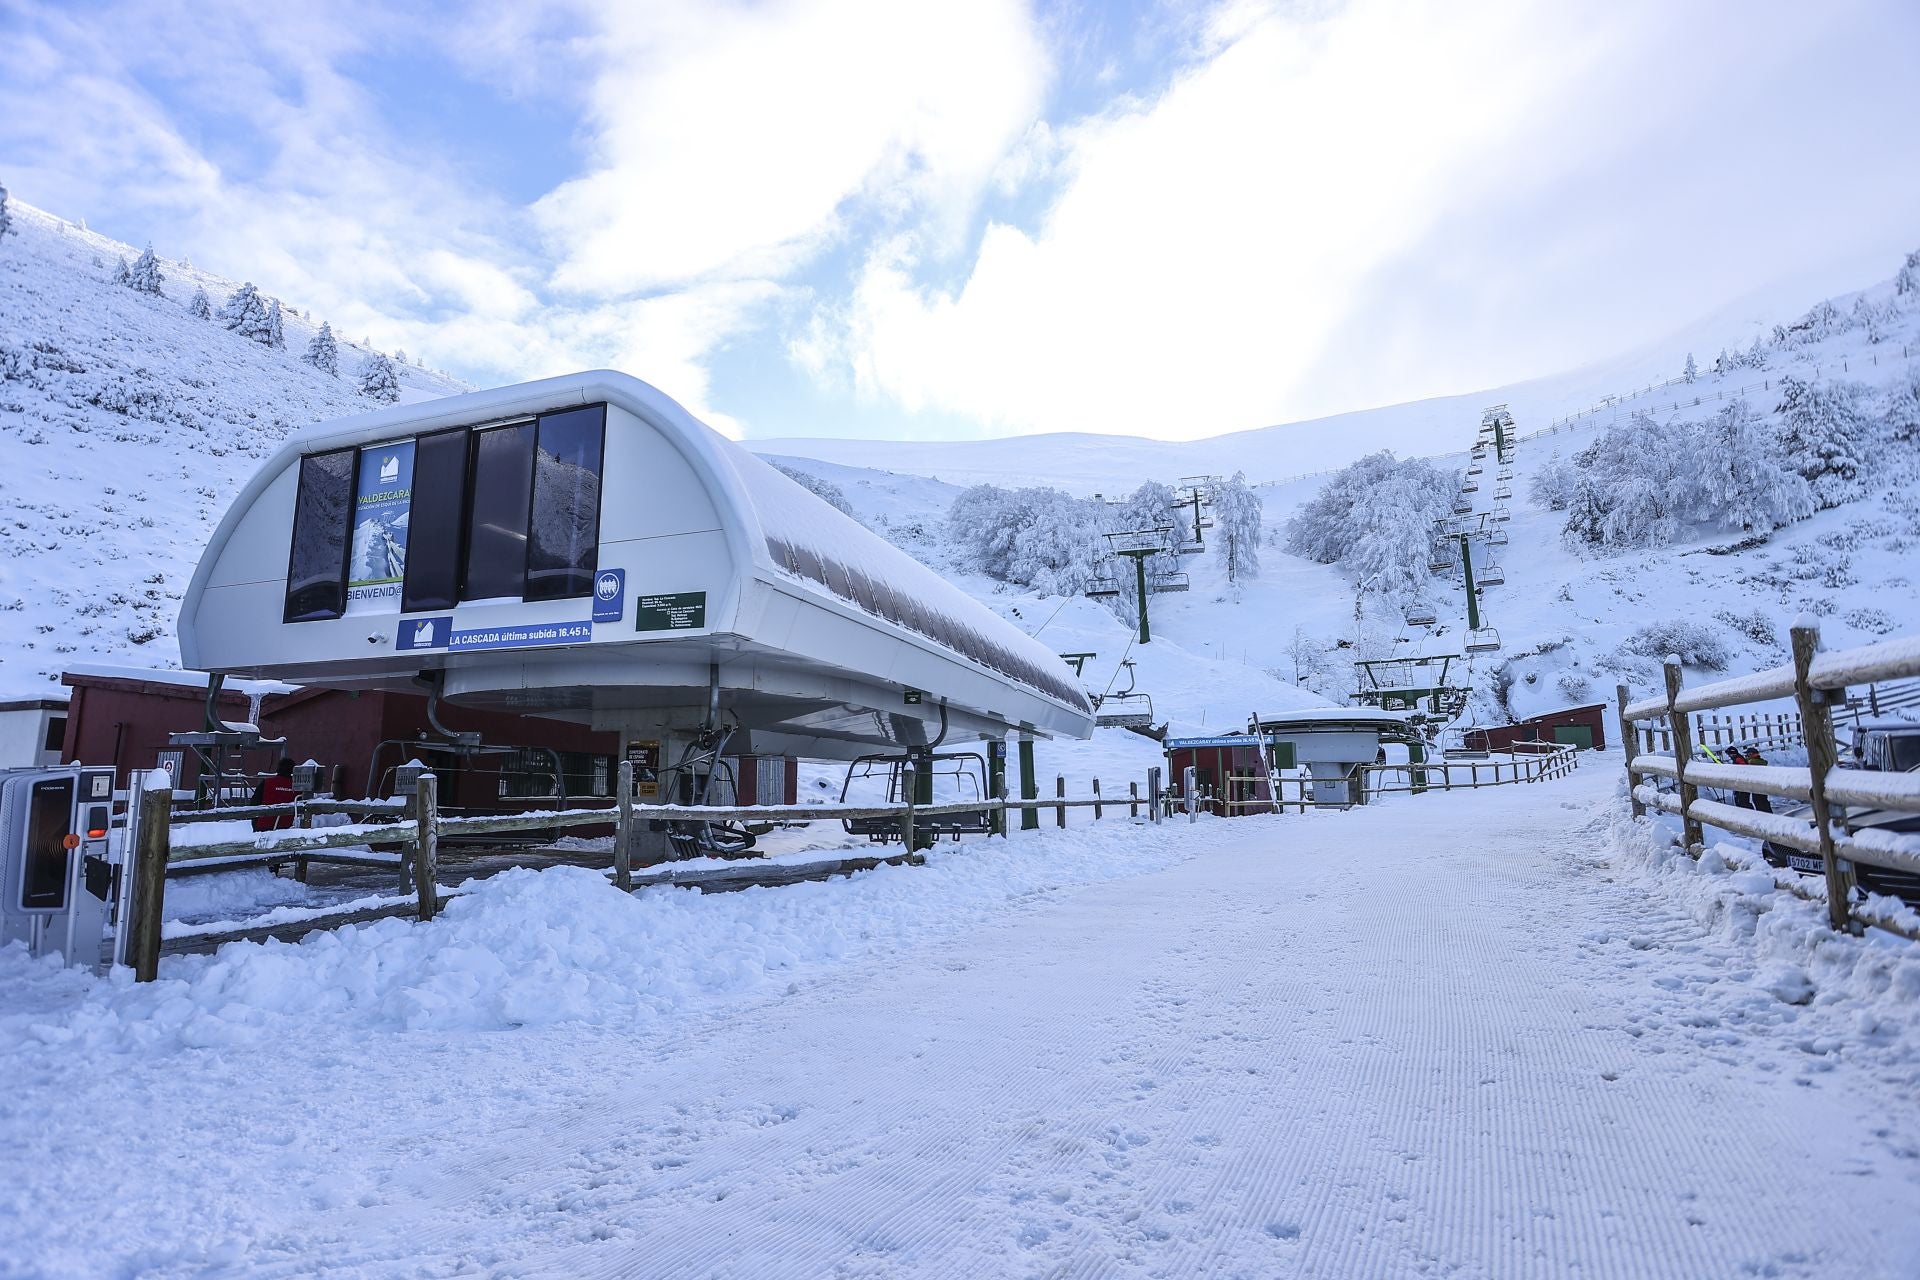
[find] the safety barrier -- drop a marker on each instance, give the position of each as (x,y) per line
(416,827)
(1817,682)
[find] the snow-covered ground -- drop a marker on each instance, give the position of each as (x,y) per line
(1474,1035)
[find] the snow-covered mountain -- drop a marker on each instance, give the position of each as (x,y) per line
(127,423)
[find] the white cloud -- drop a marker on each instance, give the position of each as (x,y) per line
(1380,202)
(729,137)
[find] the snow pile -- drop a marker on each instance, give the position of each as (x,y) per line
(1866,989)
(528,948)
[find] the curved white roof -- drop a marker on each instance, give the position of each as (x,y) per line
(777,548)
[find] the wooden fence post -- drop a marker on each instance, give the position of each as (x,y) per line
(1096,799)
(623,830)
(1682,728)
(1153,794)
(426,848)
(1133,799)
(150,841)
(1060,793)
(1029,786)
(1816,719)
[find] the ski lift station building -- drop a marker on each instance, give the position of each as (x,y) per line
(582,548)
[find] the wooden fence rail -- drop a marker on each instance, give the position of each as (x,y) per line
(1525,762)
(1817,682)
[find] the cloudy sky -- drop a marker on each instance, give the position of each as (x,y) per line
(884,218)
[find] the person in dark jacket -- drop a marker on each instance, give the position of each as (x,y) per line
(1740,798)
(275,790)
(1757,799)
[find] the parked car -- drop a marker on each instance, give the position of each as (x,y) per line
(1886,746)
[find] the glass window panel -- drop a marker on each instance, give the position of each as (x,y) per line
(497,526)
(49,822)
(436,521)
(317,569)
(565,532)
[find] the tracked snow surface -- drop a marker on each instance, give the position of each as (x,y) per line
(1500,1034)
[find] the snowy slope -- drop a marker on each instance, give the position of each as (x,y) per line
(126,425)
(1084,463)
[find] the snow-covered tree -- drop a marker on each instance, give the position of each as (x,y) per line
(1040,538)
(1375,519)
(825,490)
(323,352)
(1828,437)
(6,211)
(1633,487)
(276,335)
(1237,512)
(378,380)
(1746,479)
(202,306)
(400,357)
(1906,284)
(1902,419)
(122,274)
(246,314)
(1692,370)
(145,275)
(1756,354)
(1553,483)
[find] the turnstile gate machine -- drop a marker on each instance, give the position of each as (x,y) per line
(56,874)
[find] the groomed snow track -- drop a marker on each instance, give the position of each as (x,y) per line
(1431,1037)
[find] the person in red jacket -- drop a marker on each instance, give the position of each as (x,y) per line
(275,790)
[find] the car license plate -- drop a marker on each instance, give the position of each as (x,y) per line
(1799,863)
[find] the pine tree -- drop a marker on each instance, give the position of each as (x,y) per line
(1237,511)
(1829,439)
(378,380)
(1692,370)
(323,353)
(122,274)
(246,314)
(145,276)
(6,211)
(276,336)
(201,307)
(400,357)
(1907,283)
(1902,420)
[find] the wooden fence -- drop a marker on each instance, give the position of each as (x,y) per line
(1523,762)
(406,835)
(1817,683)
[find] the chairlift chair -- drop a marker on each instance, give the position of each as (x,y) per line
(960,775)
(1421,615)
(1505,473)
(1497,537)
(1159,582)
(1103,588)
(1440,559)
(1462,504)
(1470,485)
(1482,640)
(1475,469)
(1126,708)
(1502,491)
(1500,515)
(1490,575)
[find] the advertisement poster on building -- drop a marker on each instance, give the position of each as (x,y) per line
(382,494)
(645,754)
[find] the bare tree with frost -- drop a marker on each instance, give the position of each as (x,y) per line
(1237,512)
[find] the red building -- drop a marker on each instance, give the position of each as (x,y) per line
(123,718)
(1583,727)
